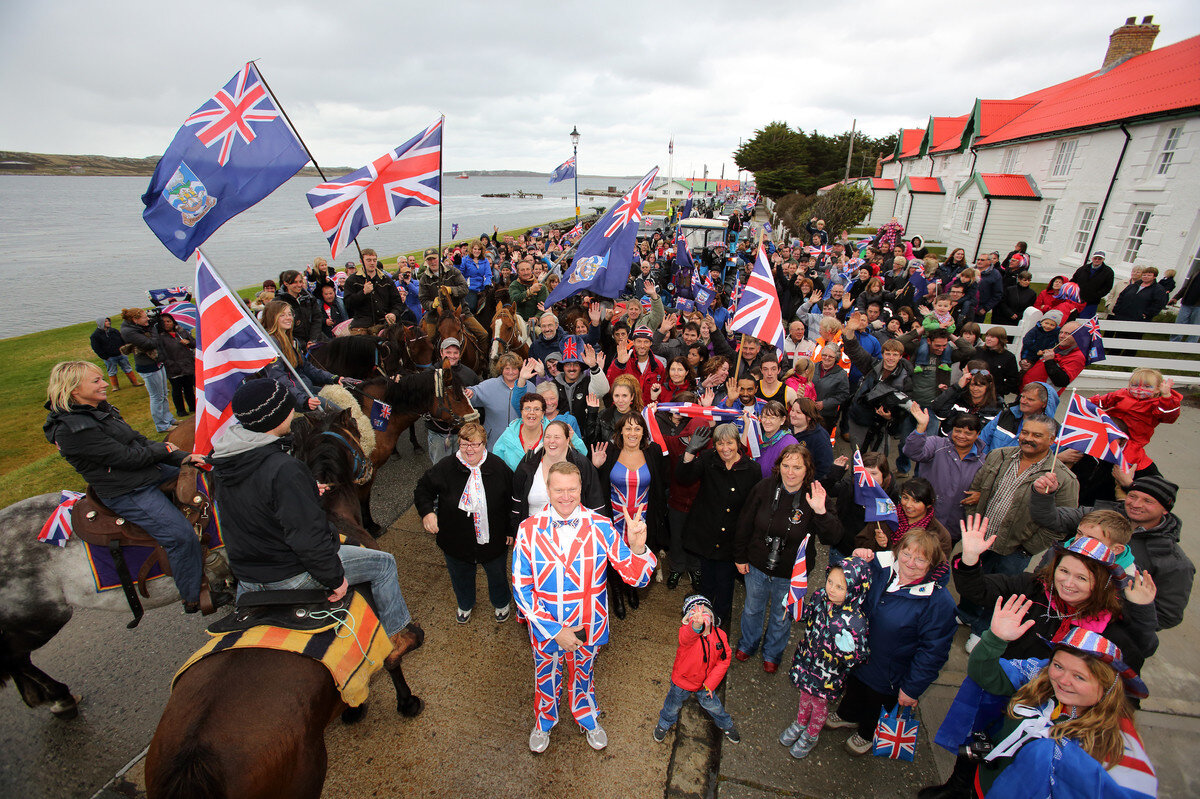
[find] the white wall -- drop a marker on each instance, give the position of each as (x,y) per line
(925,218)
(881,211)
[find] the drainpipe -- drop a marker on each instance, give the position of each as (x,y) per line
(1104,205)
(987,209)
(912,199)
(930,165)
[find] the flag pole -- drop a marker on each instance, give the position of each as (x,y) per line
(441,196)
(1058,438)
(295,133)
(271,342)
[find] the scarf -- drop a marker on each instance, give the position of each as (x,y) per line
(474,500)
(1067,616)
(904,525)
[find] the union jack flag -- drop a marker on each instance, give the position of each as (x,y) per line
(693,410)
(378,192)
(1089,430)
(629,210)
(653,430)
(184,313)
(869,494)
(798,586)
(575,231)
(758,311)
(231,111)
(820,251)
(229,346)
(162,296)
(57,529)
(896,736)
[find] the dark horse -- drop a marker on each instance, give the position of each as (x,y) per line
(394,350)
(251,722)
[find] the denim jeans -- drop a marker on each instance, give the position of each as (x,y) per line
(151,509)
(157,386)
(1188,315)
(680,559)
(117,362)
(991,563)
(709,701)
(764,596)
(361,565)
(462,580)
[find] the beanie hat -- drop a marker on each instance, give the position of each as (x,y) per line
(690,604)
(1157,486)
(1057,316)
(261,405)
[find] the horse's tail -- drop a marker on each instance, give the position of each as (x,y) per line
(194,772)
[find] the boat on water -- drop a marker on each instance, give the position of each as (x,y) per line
(462,176)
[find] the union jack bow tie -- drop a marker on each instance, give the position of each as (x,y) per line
(571,523)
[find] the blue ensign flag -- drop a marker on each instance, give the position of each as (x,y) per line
(602,259)
(563,171)
(232,152)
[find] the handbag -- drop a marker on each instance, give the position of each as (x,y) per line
(896,734)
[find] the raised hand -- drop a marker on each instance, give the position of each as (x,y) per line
(1167,384)
(600,359)
(592,400)
(816,497)
(589,355)
(1124,478)
(1046,484)
(731,391)
(708,397)
(920,415)
(1141,589)
(650,288)
(1008,616)
(975,540)
(635,530)
(699,440)
(842,460)
(599,453)
(594,313)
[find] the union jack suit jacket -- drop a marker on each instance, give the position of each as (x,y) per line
(555,590)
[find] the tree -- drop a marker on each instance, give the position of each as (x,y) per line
(842,208)
(785,160)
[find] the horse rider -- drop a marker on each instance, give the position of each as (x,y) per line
(276,534)
(125,469)
(434,278)
(371,298)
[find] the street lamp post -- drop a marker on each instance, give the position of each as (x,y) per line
(575,156)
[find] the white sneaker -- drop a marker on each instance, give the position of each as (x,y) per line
(462,616)
(502,614)
(972,640)
(539,740)
(597,738)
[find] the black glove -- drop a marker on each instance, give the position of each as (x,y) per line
(699,440)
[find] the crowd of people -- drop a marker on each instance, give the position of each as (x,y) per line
(641,426)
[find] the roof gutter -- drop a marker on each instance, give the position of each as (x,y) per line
(979,242)
(1107,195)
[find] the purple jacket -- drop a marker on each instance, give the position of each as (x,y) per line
(949,474)
(769,454)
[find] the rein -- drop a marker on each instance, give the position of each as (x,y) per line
(363,471)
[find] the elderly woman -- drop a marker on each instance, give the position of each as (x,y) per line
(529,478)
(780,513)
(724,475)
(465,499)
(123,467)
(776,437)
(910,614)
(525,434)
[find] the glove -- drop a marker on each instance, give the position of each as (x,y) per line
(699,440)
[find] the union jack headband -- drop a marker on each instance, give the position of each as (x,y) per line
(1087,547)
(1093,644)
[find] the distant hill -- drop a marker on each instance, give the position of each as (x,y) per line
(14,163)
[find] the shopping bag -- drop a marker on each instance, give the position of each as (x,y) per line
(896,734)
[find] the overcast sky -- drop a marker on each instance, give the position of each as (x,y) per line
(512,78)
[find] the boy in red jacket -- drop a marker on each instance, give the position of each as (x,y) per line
(700,664)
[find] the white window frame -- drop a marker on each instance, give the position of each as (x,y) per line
(1137,233)
(1009,162)
(1084,227)
(1044,227)
(1166,155)
(1064,157)
(969,215)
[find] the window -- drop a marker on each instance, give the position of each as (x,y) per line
(1137,231)
(1083,231)
(969,216)
(1064,154)
(1009,163)
(1166,156)
(1044,227)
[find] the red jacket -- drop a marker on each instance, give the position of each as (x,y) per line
(1140,416)
(700,661)
(656,372)
(1064,368)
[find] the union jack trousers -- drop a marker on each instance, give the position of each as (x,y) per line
(556,589)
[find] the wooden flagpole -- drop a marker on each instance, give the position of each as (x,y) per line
(441,198)
(1058,438)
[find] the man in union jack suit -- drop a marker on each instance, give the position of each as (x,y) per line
(559,582)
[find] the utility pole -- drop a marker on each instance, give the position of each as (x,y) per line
(850,154)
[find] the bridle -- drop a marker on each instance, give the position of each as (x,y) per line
(363,470)
(443,404)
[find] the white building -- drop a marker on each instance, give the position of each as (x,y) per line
(1105,161)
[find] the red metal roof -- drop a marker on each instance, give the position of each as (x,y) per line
(883,184)
(888,158)
(947,133)
(925,186)
(1012,186)
(910,141)
(1152,83)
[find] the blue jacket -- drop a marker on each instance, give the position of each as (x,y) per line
(508,446)
(1035,340)
(991,289)
(412,290)
(816,439)
(542,346)
(477,273)
(496,400)
(911,630)
(1002,431)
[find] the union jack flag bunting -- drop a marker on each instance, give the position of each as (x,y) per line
(1089,430)
(758,312)
(232,152)
(1087,338)
(896,735)
(563,171)
(868,493)
(184,313)
(378,192)
(163,296)
(381,414)
(603,256)
(798,586)
(57,529)
(229,346)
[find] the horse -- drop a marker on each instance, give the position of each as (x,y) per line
(510,333)
(446,321)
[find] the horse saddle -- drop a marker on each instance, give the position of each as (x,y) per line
(306,610)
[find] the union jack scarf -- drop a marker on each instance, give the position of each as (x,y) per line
(57,529)
(473,501)
(752,435)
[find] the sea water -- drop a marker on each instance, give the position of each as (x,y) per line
(75,248)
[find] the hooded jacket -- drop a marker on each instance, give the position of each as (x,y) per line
(273,522)
(834,637)
(147,358)
(1004,429)
(113,457)
(701,660)
(949,474)
(106,343)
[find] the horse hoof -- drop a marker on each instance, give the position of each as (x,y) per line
(65,709)
(353,715)
(411,707)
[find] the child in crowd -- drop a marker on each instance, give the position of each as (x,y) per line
(700,664)
(834,640)
(800,381)
(1148,402)
(941,316)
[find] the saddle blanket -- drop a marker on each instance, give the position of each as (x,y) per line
(352,650)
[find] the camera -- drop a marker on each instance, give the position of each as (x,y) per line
(977,748)
(774,545)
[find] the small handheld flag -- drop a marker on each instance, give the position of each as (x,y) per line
(798,586)
(758,311)
(381,414)
(868,493)
(1089,430)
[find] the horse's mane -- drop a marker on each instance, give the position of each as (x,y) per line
(350,354)
(324,455)
(410,393)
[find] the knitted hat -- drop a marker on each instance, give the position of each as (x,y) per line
(1157,486)
(643,332)
(1092,644)
(1087,547)
(261,405)
(694,601)
(1057,316)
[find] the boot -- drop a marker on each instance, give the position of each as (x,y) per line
(962,778)
(133,379)
(112,381)
(403,642)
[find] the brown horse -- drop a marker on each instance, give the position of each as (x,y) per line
(510,333)
(446,321)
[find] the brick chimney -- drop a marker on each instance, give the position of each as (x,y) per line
(879,166)
(1129,40)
